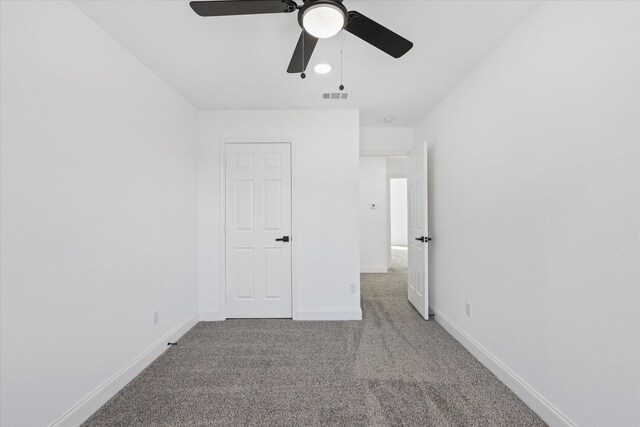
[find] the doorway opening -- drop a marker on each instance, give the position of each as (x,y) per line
(398,224)
(393,220)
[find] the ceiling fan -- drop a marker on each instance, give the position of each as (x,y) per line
(319,19)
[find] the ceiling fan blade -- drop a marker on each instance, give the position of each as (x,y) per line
(241,7)
(377,35)
(296,66)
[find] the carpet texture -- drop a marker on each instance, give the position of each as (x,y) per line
(392,368)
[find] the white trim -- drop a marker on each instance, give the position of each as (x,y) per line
(329,314)
(380,269)
(100,395)
(211,315)
(545,410)
(222,282)
(294,248)
(389,254)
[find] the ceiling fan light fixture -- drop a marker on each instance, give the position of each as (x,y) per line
(323,20)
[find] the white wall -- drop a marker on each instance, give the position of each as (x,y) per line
(397,167)
(535,210)
(398,211)
(325,206)
(99,213)
(374,223)
(386,141)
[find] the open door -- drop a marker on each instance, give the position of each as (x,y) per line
(418,268)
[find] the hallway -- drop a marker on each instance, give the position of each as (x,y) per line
(392,368)
(399,258)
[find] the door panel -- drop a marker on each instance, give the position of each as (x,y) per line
(244,205)
(273,205)
(244,273)
(273,275)
(258,211)
(418,268)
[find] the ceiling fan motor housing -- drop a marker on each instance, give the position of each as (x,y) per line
(312,4)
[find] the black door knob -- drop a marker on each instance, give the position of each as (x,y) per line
(423,239)
(283,239)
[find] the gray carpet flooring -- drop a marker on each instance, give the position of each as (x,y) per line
(392,368)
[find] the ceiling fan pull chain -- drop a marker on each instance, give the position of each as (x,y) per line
(341,87)
(304,36)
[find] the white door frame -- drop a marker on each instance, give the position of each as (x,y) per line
(222,287)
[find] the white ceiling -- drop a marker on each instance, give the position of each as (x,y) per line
(240,62)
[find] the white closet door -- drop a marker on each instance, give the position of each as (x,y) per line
(258,230)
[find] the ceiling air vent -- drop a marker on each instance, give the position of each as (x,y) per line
(335,95)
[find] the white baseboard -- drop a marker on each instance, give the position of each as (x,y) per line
(98,397)
(328,314)
(383,269)
(211,315)
(545,410)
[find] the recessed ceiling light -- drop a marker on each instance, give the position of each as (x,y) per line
(322,68)
(388,119)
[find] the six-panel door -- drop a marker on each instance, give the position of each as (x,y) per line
(258,211)
(418,267)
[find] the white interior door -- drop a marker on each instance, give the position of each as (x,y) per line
(258,230)
(418,268)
